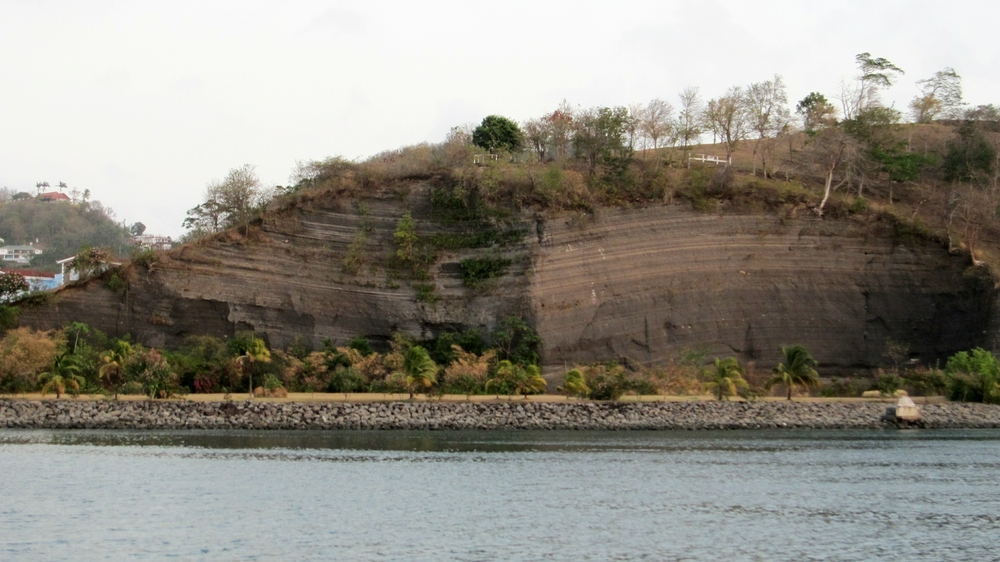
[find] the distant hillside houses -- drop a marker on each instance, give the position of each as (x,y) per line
(152,242)
(19,254)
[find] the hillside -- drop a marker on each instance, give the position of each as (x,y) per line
(61,228)
(642,270)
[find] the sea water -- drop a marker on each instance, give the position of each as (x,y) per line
(759,495)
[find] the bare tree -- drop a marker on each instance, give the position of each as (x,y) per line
(689,119)
(874,75)
(657,121)
(560,123)
(633,123)
(536,135)
(232,202)
(940,96)
(728,118)
(767,108)
(829,151)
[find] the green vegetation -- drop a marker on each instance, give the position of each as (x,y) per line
(476,271)
(726,378)
(797,368)
(61,228)
(498,133)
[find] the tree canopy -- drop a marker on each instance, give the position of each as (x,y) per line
(497,133)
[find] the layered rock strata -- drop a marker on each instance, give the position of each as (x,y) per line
(643,286)
(476,416)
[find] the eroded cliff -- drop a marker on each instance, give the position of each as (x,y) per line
(636,284)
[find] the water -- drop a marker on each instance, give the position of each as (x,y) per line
(810,495)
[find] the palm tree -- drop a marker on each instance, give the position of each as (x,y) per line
(256,351)
(797,368)
(528,379)
(420,369)
(62,186)
(63,373)
(575,384)
(725,378)
(114,365)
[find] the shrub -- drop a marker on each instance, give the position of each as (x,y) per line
(973,376)
(24,353)
(476,271)
(887,383)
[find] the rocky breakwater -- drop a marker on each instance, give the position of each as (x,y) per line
(68,414)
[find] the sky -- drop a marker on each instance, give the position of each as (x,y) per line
(144,103)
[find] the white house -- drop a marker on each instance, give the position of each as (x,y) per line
(19,254)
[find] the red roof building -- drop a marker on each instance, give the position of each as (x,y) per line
(53,196)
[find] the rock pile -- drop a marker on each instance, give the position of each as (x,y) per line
(60,414)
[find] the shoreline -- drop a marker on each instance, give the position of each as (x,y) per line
(496,415)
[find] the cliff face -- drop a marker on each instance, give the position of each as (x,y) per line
(643,284)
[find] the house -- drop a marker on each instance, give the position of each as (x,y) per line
(19,254)
(53,196)
(37,280)
(152,242)
(68,273)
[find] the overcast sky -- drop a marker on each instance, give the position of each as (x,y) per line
(145,102)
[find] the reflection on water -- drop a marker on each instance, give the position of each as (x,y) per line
(784,495)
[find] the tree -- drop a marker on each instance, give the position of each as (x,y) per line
(874,74)
(599,136)
(516,379)
(64,373)
(90,261)
(657,121)
(974,376)
(11,285)
(767,111)
(970,157)
(797,368)
(689,120)
(725,378)
(255,352)
(727,117)
(112,367)
(940,96)
(234,201)
(420,370)
(516,341)
(816,112)
(561,124)
(827,152)
(497,133)
(137,229)
(467,373)
(575,384)
(536,133)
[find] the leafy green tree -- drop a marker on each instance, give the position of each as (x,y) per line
(514,379)
(497,133)
(600,136)
(816,111)
(516,341)
(971,157)
(974,376)
(797,368)
(725,378)
(63,374)
(420,370)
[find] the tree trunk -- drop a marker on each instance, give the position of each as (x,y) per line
(789,391)
(826,190)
